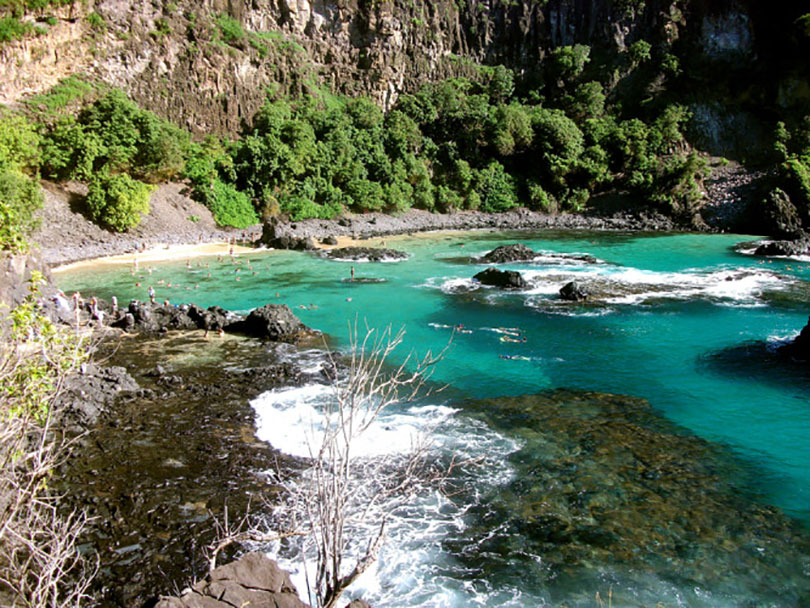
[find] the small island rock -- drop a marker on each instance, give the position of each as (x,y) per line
(505,279)
(516,252)
(372,254)
(573,292)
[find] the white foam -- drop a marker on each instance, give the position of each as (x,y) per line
(413,566)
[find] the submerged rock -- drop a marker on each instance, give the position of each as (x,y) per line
(573,292)
(371,254)
(504,279)
(601,479)
(509,253)
(252,580)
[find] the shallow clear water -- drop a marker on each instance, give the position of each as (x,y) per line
(684,322)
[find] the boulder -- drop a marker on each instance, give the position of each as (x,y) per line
(573,292)
(330,240)
(253,580)
(781,216)
(371,254)
(273,321)
(509,253)
(784,248)
(87,393)
(799,348)
(505,279)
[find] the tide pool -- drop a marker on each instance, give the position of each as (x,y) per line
(681,321)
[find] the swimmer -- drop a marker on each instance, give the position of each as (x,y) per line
(348,299)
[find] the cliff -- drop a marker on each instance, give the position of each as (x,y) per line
(209,65)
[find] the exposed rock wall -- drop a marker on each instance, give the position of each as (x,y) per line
(174,58)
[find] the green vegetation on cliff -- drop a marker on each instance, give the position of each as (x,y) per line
(19,186)
(462,143)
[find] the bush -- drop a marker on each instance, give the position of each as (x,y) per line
(20,196)
(134,140)
(496,189)
(230,206)
(118,201)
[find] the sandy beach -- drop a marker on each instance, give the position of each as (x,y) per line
(165,253)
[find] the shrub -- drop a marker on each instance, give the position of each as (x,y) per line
(96,22)
(639,51)
(134,140)
(229,206)
(20,196)
(496,188)
(230,29)
(118,201)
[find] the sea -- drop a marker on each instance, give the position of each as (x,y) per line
(644,447)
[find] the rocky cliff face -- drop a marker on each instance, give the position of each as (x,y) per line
(208,65)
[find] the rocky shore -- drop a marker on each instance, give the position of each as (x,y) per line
(304,234)
(167,436)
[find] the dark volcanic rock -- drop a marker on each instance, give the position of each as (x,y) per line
(781,216)
(372,254)
(273,321)
(252,580)
(87,394)
(509,253)
(158,318)
(505,279)
(573,292)
(799,348)
(329,240)
(281,235)
(784,248)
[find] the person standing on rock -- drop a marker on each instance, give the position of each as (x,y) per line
(151,292)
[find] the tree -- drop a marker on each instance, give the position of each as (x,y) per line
(332,496)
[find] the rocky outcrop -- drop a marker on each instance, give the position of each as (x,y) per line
(279,235)
(799,348)
(15,272)
(273,321)
(253,580)
(784,248)
(504,279)
(509,253)
(88,393)
(365,254)
(573,292)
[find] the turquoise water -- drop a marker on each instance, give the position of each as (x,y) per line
(685,322)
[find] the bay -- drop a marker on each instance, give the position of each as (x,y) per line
(682,321)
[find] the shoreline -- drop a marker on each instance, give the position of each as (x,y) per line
(348,230)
